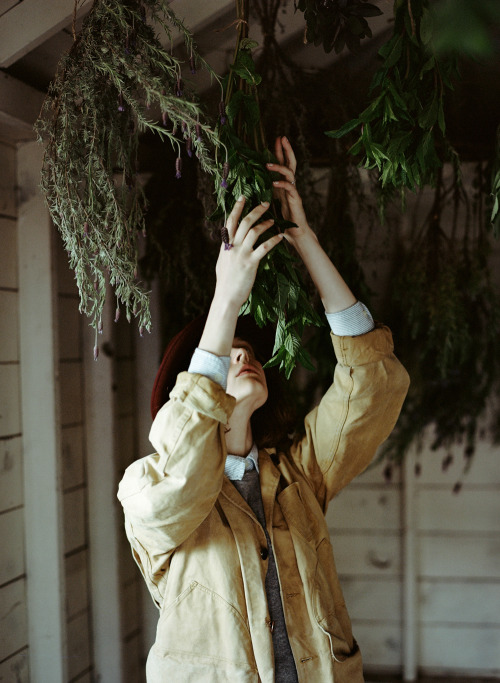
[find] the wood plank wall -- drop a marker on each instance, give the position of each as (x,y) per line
(126,338)
(366,532)
(74,476)
(13,612)
(457,549)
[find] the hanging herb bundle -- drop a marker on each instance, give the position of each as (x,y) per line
(445,313)
(116,70)
(402,131)
(336,24)
(278,296)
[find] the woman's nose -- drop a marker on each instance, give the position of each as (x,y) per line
(241,356)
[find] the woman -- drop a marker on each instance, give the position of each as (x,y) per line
(231,537)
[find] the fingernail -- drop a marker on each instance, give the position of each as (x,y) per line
(275,182)
(241,198)
(269,164)
(265,203)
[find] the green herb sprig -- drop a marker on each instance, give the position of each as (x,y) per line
(279,295)
(402,131)
(336,24)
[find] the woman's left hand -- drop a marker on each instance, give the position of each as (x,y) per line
(286,191)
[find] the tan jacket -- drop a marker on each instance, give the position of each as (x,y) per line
(198,544)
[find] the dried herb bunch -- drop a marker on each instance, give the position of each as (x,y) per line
(104,94)
(445,313)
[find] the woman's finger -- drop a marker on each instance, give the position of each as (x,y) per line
(284,170)
(278,151)
(255,232)
(266,246)
(291,161)
(247,222)
(287,187)
(234,217)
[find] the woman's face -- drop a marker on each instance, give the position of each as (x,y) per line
(246,380)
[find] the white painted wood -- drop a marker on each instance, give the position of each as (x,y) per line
(13,618)
(76,573)
(104,514)
(367,554)
(148,356)
(8,206)
(12,535)
(365,508)
(375,474)
(69,329)
(79,647)
(15,668)
(126,442)
(125,386)
(459,651)
(484,469)
(19,103)
(70,374)
(380,645)
(461,602)
(469,510)
(445,556)
(376,599)
(41,434)
(8,252)
(9,326)
(132,616)
(10,400)
(6,5)
(74,519)
(11,474)
(134,671)
(73,466)
(66,283)
(410,577)
(30,23)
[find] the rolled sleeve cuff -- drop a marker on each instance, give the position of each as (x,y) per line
(352,321)
(211,366)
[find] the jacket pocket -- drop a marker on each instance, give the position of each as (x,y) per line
(325,607)
(201,625)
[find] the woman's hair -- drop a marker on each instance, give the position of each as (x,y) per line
(273,422)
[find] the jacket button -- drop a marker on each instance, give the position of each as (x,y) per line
(264,553)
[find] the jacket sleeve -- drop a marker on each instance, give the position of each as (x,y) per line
(167,495)
(356,414)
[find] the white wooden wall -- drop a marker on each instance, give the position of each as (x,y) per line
(78,601)
(13,611)
(456,625)
(420,565)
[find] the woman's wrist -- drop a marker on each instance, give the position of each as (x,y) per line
(218,333)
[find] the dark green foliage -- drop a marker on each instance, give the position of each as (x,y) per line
(278,296)
(91,119)
(336,24)
(465,27)
(402,131)
(445,315)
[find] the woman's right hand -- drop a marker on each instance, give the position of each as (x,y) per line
(236,267)
(236,270)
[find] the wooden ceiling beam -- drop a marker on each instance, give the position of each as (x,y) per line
(30,23)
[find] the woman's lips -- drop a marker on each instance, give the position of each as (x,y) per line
(247,369)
